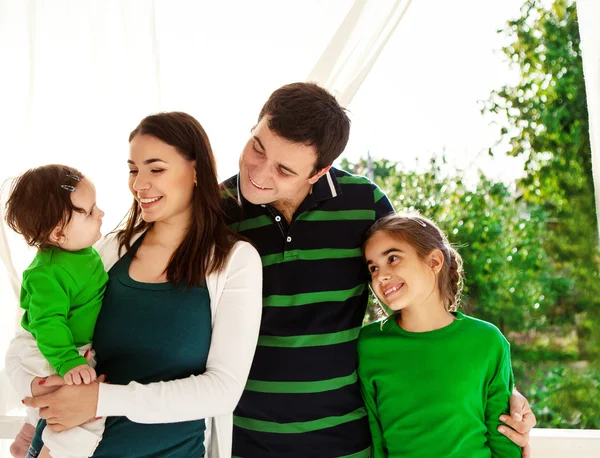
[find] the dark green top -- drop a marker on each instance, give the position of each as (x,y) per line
(439,393)
(151,332)
(61,294)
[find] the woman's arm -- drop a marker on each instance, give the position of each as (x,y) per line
(233,343)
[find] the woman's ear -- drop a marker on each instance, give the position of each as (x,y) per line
(436,260)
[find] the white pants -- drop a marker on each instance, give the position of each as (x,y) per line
(78,442)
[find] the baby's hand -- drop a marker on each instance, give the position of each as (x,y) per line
(80,374)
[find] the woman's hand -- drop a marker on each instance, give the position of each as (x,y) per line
(40,386)
(68,406)
(521,422)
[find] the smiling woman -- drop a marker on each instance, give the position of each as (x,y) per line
(176,273)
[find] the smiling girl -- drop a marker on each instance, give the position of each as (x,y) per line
(434,380)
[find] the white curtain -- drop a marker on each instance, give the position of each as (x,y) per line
(357,44)
(588,13)
(79,75)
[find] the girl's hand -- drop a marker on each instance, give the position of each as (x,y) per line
(80,374)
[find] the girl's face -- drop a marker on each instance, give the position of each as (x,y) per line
(161,180)
(400,278)
(84,228)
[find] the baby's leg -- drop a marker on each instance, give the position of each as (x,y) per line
(45,453)
(78,442)
(20,446)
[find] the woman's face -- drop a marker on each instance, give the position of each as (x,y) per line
(161,180)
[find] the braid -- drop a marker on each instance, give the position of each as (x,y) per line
(455,280)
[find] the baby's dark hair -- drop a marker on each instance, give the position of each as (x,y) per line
(424,236)
(40,200)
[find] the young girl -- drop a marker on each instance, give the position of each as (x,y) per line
(434,380)
(54,208)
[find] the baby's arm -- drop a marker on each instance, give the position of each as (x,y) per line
(49,290)
(499,390)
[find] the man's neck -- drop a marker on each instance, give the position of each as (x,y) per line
(287,207)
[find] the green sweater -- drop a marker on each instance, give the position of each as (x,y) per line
(439,393)
(61,294)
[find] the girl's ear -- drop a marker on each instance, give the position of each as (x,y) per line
(436,260)
(57,236)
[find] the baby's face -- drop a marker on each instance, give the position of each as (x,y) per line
(84,228)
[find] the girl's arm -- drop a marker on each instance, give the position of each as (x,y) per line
(233,343)
(368,393)
(499,390)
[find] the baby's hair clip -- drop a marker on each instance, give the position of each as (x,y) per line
(68,187)
(74,177)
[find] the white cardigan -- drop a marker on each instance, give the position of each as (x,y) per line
(236,306)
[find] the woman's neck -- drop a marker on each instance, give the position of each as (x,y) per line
(428,316)
(169,233)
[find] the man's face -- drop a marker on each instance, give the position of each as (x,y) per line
(273,169)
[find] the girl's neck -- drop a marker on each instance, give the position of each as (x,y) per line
(428,316)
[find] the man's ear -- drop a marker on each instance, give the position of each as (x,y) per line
(436,260)
(318,175)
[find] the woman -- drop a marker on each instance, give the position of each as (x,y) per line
(180,317)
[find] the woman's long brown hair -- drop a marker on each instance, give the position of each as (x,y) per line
(207,244)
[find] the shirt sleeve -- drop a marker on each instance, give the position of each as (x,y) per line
(369,396)
(499,391)
(233,343)
(383,206)
(49,290)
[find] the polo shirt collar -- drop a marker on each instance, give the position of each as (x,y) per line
(327,187)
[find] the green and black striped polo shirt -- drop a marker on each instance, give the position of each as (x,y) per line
(302,398)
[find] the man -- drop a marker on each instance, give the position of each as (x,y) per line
(307,221)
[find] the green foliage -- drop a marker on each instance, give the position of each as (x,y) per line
(530,251)
(564,397)
(548,123)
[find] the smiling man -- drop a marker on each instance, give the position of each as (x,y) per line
(307,220)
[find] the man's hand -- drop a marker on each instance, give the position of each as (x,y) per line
(521,422)
(80,374)
(68,406)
